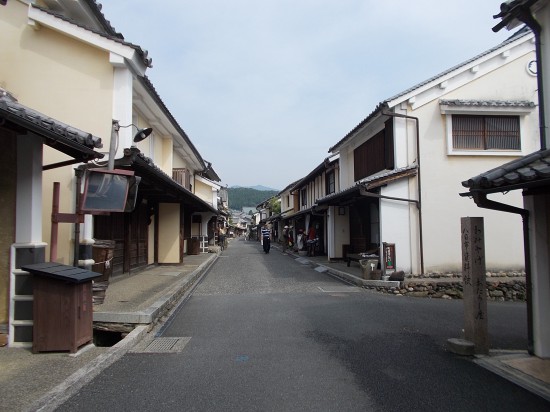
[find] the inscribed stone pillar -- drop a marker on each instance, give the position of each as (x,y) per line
(474,284)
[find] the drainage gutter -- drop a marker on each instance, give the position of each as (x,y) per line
(386,112)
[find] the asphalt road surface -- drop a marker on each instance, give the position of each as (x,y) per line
(263,332)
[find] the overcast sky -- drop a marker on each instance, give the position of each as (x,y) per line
(263,88)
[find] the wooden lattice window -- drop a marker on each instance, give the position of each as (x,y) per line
(331,182)
(375,154)
(486,132)
(183,177)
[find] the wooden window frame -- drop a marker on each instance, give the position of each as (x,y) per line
(482,132)
(303,196)
(330,182)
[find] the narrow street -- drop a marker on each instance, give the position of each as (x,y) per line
(263,333)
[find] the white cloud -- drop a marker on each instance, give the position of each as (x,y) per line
(264,88)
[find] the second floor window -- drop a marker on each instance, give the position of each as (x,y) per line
(485,132)
(183,177)
(303,195)
(331,182)
(375,154)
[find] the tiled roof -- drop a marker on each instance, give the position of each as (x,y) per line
(385,177)
(157,183)
(384,104)
(288,187)
(346,192)
(528,171)
(96,7)
(370,183)
(154,94)
(111,35)
(316,172)
(366,120)
(58,134)
(520,33)
(487,103)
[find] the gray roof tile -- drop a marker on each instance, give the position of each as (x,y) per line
(487,103)
(111,35)
(528,171)
(73,141)
(384,104)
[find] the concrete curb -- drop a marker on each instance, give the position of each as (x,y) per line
(347,277)
(70,386)
(74,383)
(497,365)
(161,306)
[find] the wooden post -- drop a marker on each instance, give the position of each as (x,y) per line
(60,218)
(474,283)
(55,212)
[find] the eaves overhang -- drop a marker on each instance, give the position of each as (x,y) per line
(341,197)
(288,188)
(327,164)
(274,218)
(265,203)
(85,12)
(388,176)
(528,172)
(74,142)
(157,186)
(498,107)
(210,174)
(377,112)
(208,182)
(510,10)
(137,58)
(433,88)
(182,142)
(365,187)
(517,45)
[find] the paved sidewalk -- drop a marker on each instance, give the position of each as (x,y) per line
(31,382)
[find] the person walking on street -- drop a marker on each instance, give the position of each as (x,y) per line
(285,239)
(221,238)
(266,238)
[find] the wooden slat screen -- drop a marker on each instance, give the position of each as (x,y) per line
(369,158)
(183,177)
(375,154)
(486,132)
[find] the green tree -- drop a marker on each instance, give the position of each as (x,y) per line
(240,197)
(275,206)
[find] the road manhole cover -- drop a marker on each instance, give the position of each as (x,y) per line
(166,345)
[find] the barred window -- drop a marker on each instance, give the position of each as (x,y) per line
(486,132)
(331,182)
(303,195)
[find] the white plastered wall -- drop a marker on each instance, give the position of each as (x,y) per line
(62,78)
(169,226)
(442,175)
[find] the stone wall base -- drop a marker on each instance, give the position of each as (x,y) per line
(498,288)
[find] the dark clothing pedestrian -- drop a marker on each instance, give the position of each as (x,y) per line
(266,239)
(285,239)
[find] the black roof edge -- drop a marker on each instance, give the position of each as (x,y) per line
(146,82)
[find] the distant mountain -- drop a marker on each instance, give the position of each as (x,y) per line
(240,197)
(257,187)
(264,188)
